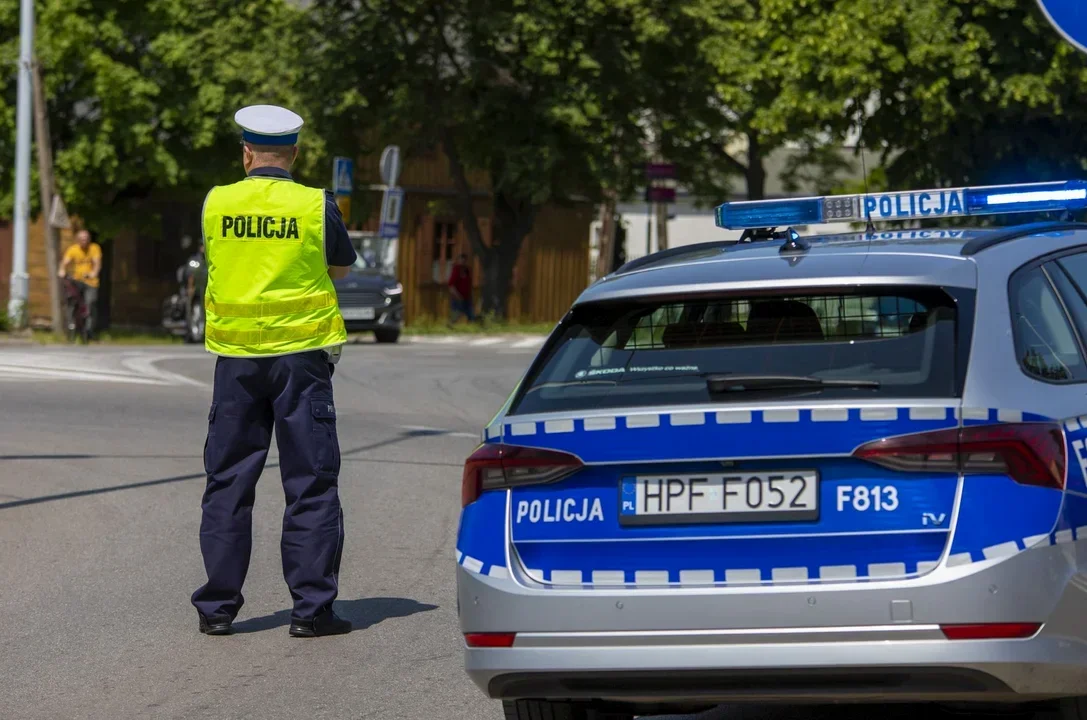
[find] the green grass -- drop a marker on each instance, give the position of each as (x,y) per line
(487,327)
(114,336)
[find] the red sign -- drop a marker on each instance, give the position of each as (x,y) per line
(660,171)
(660,195)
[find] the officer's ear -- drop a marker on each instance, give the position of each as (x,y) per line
(294,154)
(247,156)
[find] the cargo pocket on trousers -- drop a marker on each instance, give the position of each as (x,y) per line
(325,440)
(210,438)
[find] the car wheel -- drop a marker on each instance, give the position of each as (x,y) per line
(1074,708)
(386,336)
(546,710)
(196,323)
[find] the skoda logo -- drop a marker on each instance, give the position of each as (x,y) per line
(579,374)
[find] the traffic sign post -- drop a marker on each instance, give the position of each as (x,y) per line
(1070,19)
(392,200)
(343,172)
(390,165)
(392,204)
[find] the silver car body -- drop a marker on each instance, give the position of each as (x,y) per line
(846,632)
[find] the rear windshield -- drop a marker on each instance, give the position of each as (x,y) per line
(663,352)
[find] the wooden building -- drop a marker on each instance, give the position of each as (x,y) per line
(552,269)
(139,264)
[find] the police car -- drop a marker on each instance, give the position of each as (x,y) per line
(833,468)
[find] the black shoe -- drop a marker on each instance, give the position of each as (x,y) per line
(327,623)
(218,626)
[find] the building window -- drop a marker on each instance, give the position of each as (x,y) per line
(443,250)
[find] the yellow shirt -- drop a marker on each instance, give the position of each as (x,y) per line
(82,262)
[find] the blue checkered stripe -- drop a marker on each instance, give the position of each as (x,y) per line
(998,518)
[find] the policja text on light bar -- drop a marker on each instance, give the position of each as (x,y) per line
(916,205)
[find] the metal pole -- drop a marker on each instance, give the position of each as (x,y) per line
(648,229)
(19,277)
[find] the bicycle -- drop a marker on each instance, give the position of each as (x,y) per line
(77,311)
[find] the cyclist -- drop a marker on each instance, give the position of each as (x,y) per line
(85,262)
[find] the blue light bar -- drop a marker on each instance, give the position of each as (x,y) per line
(917,205)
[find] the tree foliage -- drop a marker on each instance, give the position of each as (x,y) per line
(553,101)
(977,92)
(539,96)
(141,93)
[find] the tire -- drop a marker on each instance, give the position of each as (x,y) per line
(546,710)
(387,336)
(194,332)
(1074,708)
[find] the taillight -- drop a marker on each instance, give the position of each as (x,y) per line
(494,466)
(1029,453)
(991,631)
(489,640)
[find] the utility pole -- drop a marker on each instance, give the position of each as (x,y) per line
(19,290)
(48,193)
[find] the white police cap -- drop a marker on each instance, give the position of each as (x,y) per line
(268,125)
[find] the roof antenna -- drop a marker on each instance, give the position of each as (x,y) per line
(869,229)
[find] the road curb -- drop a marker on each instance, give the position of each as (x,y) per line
(504,341)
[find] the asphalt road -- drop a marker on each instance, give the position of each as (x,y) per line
(100,482)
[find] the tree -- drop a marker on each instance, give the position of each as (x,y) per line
(141,94)
(539,96)
(750,77)
(978,92)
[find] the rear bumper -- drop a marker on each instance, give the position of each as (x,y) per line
(1005,670)
(848,642)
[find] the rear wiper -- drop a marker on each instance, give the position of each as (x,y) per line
(753,383)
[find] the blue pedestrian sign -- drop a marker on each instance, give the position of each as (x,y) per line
(1070,19)
(392,203)
(343,176)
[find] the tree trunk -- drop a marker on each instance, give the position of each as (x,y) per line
(607,235)
(756,171)
(514,218)
(45,177)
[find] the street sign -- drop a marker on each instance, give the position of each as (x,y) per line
(343,171)
(343,202)
(58,214)
(1070,19)
(392,203)
(390,165)
(660,195)
(660,171)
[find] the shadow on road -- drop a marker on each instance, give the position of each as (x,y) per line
(346,454)
(363,613)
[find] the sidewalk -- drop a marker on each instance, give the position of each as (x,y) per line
(7,338)
(518,342)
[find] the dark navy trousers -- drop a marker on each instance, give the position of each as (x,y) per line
(291,394)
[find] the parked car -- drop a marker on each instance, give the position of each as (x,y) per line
(370,296)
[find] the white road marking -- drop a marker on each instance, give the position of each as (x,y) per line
(482,342)
(146,365)
(73,366)
(14,372)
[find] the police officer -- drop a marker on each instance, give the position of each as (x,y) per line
(273,248)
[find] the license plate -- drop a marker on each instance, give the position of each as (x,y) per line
(365,313)
(775,496)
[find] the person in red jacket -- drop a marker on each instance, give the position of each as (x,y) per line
(460,290)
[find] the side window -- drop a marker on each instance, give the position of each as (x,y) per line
(1045,344)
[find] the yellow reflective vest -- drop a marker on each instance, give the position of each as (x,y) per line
(268,290)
